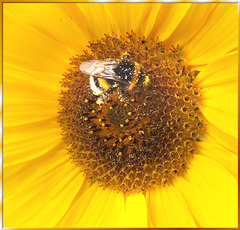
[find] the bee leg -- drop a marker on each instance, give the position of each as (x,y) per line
(122,95)
(104,96)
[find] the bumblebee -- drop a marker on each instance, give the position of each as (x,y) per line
(110,75)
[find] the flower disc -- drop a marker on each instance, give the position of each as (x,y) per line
(145,138)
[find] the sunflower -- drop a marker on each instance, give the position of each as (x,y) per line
(193,44)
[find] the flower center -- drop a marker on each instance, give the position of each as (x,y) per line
(134,133)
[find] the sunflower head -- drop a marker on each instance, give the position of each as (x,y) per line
(145,137)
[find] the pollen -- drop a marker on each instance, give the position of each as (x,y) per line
(147,79)
(133,140)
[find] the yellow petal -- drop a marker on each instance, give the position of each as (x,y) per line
(210,192)
(39,200)
(220,93)
(136,211)
(220,154)
(121,17)
(21,114)
(216,37)
(22,143)
(96,208)
(196,17)
(167,208)
(40,50)
(14,74)
(216,135)
(20,175)
(28,97)
(106,208)
(167,19)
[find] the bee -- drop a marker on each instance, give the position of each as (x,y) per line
(106,76)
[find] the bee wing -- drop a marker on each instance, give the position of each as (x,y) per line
(101,69)
(113,77)
(92,67)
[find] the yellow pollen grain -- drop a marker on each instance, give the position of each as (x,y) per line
(120,139)
(125,104)
(126,120)
(86,100)
(121,125)
(141,132)
(125,53)
(91,132)
(129,138)
(132,100)
(129,113)
(114,144)
(147,79)
(93,111)
(100,120)
(120,153)
(85,119)
(103,124)
(105,140)
(110,107)
(99,102)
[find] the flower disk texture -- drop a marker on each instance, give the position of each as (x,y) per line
(143,139)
